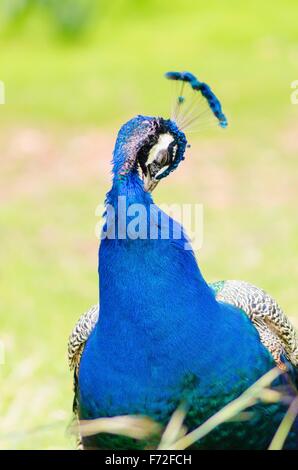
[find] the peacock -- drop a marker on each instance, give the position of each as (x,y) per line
(161,335)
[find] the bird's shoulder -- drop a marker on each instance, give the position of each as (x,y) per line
(275,329)
(80,335)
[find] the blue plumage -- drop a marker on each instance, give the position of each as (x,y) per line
(161,335)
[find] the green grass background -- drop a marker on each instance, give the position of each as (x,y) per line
(74,71)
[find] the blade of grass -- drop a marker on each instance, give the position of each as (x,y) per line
(174,429)
(284,428)
(137,427)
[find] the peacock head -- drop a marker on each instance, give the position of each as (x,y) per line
(152,145)
(155,146)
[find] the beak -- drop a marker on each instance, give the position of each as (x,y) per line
(150,182)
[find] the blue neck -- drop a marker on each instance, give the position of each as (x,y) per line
(137,276)
(131,187)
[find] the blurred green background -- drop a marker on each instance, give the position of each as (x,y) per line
(73,72)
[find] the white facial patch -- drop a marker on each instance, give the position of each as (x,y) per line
(162,144)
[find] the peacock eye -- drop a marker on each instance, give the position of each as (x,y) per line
(159,163)
(162,157)
(159,156)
